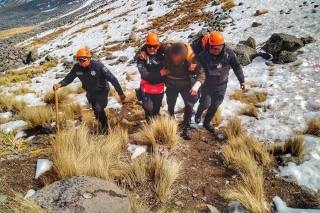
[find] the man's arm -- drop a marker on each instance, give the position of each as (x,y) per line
(112,79)
(69,78)
(236,66)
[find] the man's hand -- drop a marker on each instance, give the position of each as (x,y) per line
(56,87)
(193,92)
(122,97)
(164,72)
(143,55)
(243,86)
(192,67)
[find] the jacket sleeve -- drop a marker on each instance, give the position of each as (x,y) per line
(112,79)
(69,78)
(236,66)
(145,75)
(199,71)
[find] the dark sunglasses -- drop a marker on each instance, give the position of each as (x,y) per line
(152,46)
(216,48)
(82,59)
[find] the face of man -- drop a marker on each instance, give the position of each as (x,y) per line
(177,58)
(152,49)
(84,61)
(216,49)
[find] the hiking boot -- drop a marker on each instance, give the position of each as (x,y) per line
(186,134)
(208,127)
(197,118)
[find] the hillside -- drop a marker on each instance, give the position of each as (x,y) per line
(287,113)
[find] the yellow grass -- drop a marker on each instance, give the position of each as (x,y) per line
(63,96)
(250,110)
(9,141)
(314,127)
(38,117)
(14,31)
(233,128)
(22,91)
(16,203)
(43,40)
(10,103)
(261,12)
(249,97)
(161,130)
(128,76)
(228,5)
(295,146)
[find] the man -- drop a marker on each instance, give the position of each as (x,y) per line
(216,60)
(94,77)
(185,78)
(152,76)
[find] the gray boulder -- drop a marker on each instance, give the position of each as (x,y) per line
(123,59)
(285,57)
(82,194)
(30,56)
(250,42)
(308,40)
(280,41)
(244,54)
(110,56)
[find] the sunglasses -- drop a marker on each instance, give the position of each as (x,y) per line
(216,48)
(82,59)
(152,46)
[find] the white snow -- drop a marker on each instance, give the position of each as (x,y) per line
(282,207)
(136,150)
(30,192)
(12,125)
(5,115)
(43,165)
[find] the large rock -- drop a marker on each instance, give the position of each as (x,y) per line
(251,42)
(244,54)
(30,56)
(280,41)
(285,57)
(82,194)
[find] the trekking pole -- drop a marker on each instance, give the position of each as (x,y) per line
(57,111)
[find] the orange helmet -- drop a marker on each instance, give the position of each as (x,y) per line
(216,38)
(83,52)
(204,40)
(152,39)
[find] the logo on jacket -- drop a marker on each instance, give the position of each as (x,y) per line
(93,73)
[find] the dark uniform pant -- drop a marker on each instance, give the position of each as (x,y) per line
(151,104)
(189,100)
(210,100)
(99,102)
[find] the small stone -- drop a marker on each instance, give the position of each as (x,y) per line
(179,203)
(150,2)
(123,59)
(204,199)
(221,137)
(150,9)
(87,195)
(194,195)
(256,24)
(132,36)
(212,209)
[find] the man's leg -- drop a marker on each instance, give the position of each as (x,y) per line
(98,108)
(216,100)
(189,101)
(172,96)
(204,103)
(157,103)
(147,105)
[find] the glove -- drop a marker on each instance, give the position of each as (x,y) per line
(122,97)
(56,87)
(192,67)
(195,88)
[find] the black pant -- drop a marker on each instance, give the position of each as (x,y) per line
(210,100)
(151,104)
(189,100)
(99,102)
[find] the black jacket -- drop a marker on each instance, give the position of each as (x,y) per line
(94,78)
(150,69)
(217,68)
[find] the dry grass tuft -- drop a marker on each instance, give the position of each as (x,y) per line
(43,40)
(16,203)
(228,5)
(63,96)
(38,117)
(233,128)
(161,130)
(165,171)
(295,146)
(22,91)
(8,141)
(217,119)
(10,103)
(249,98)
(250,110)
(314,127)
(128,76)
(261,12)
